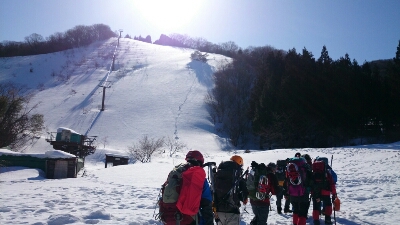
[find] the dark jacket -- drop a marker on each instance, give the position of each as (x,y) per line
(232,205)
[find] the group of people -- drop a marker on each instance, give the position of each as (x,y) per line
(320,186)
(221,201)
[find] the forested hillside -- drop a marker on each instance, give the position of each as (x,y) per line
(73,38)
(291,99)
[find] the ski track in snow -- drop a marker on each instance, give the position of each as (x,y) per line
(182,104)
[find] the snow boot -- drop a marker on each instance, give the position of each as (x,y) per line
(279,209)
(253,221)
(302,221)
(287,210)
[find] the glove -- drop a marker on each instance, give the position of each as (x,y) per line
(245,201)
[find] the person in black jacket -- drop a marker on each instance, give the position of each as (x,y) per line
(227,204)
(280,174)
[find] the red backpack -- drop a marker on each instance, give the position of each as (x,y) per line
(320,175)
(181,194)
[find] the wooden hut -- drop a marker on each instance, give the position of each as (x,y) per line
(116,160)
(55,164)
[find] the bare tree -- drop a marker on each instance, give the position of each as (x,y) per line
(34,39)
(17,125)
(229,46)
(104,141)
(173,146)
(144,149)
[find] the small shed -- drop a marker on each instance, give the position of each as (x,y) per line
(55,163)
(116,160)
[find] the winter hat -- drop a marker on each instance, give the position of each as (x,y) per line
(195,156)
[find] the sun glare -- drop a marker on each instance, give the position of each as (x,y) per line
(168,14)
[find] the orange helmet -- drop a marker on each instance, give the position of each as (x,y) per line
(237,159)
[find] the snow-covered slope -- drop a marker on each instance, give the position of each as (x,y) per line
(154,90)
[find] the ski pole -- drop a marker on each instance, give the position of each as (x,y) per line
(210,173)
(334,214)
(157,203)
(331,160)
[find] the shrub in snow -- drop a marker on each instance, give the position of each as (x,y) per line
(144,149)
(196,55)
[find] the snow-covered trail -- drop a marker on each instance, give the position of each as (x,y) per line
(368,186)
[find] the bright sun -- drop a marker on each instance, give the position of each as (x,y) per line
(168,14)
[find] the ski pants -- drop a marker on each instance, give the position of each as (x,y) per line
(261,214)
(327,203)
(279,198)
(228,218)
(300,209)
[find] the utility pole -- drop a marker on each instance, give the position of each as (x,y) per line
(120,35)
(106,84)
(113,62)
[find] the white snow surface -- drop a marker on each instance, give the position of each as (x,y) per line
(51,154)
(155,91)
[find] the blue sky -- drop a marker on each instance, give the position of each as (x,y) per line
(365,29)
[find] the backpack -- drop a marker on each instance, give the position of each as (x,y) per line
(181,193)
(329,169)
(280,171)
(257,181)
(320,176)
(296,171)
(226,180)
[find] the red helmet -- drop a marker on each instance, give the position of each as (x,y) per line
(195,155)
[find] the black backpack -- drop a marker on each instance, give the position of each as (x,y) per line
(226,191)
(281,172)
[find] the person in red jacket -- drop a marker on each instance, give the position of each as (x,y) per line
(323,188)
(261,207)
